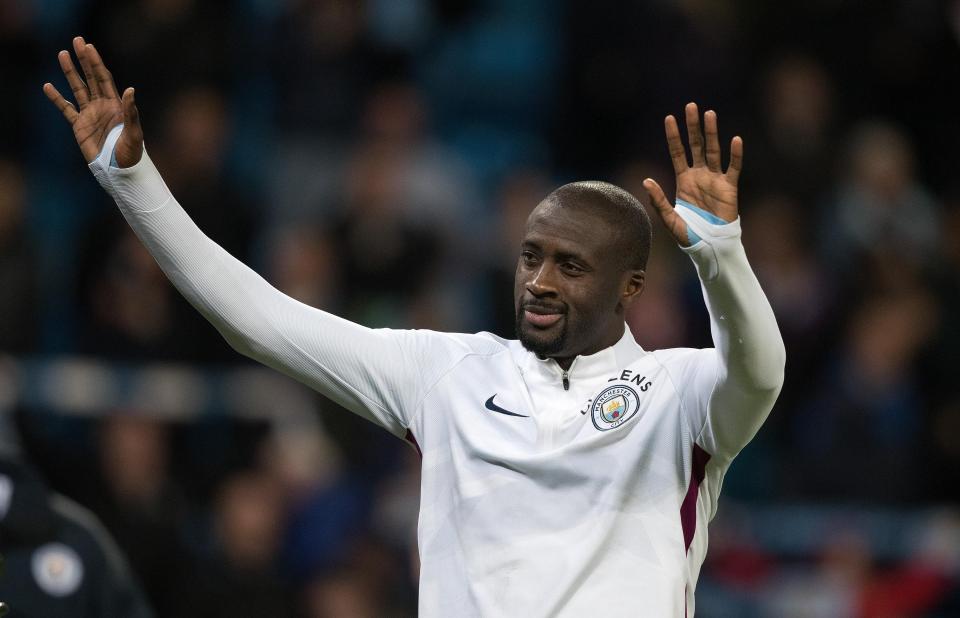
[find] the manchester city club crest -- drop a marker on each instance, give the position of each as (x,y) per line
(614,406)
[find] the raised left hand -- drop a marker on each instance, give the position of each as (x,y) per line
(703,184)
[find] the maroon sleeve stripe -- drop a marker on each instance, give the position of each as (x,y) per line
(409,438)
(688,509)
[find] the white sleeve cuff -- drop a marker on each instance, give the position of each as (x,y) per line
(138,188)
(714,239)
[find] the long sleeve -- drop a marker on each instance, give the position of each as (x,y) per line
(379,374)
(729,390)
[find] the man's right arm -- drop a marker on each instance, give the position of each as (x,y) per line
(379,374)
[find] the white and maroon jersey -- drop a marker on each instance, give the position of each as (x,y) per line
(544,492)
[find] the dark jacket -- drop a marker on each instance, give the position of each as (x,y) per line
(58,559)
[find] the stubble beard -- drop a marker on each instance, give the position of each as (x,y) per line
(543,349)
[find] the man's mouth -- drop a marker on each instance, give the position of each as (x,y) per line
(541,317)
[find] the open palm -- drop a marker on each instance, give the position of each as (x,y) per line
(704,183)
(98,108)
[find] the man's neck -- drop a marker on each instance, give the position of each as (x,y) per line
(566,361)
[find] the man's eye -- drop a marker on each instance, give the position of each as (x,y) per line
(573,269)
(528,257)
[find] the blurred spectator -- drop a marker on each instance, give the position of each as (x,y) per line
(19,306)
(130,303)
(302,264)
(322,66)
(940,368)
(249,514)
(183,42)
(915,588)
(618,85)
(364,585)
(866,409)
(141,504)
(344,592)
(799,289)
(386,256)
(325,506)
(794,150)
(492,79)
(829,589)
(432,181)
(944,451)
(190,151)
(397,503)
(242,578)
(881,205)
(403,26)
(19,63)
(324,525)
(781,253)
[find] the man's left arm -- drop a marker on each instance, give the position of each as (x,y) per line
(735,384)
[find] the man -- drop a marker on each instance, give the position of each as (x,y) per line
(568,473)
(58,561)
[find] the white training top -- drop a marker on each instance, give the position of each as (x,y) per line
(538,498)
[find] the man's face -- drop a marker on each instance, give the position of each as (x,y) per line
(571,285)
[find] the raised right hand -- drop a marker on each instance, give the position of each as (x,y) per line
(100,108)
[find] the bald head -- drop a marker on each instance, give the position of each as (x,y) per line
(616,206)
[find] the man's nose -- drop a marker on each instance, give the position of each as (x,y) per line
(543,282)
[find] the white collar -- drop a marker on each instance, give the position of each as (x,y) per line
(584,367)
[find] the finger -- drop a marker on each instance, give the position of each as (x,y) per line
(713,140)
(62,104)
(736,159)
(79,89)
(103,76)
(678,155)
(671,220)
(657,196)
(131,116)
(694,135)
(80,49)
(130,146)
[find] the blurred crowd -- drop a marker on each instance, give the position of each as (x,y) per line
(378,159)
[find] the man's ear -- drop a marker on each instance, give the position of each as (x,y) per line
(633,287)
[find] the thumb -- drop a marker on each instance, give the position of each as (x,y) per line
(671,220)
(130,146)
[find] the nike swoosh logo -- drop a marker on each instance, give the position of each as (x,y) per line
(495,408)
